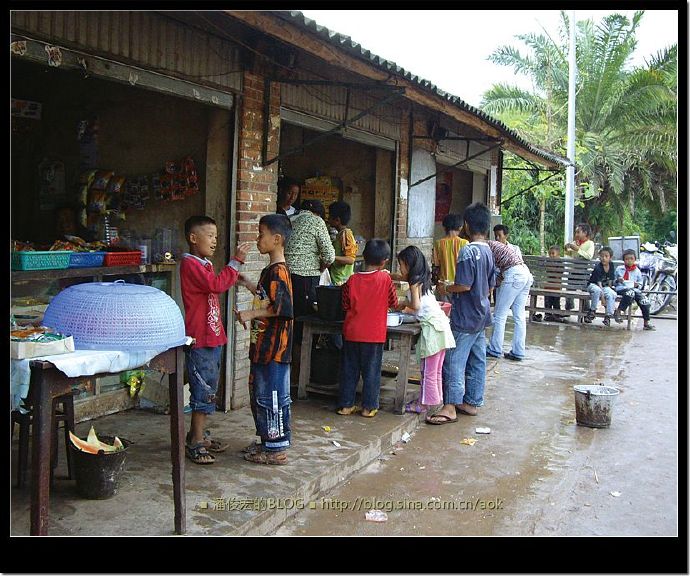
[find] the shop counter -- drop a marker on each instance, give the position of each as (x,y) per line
(315,325)
(48,382)
(98,274)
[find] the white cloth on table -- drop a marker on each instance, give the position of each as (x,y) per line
(78,363)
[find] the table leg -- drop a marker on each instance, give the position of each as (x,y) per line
(403,365)
(176,386)
(40,456)
(305,361)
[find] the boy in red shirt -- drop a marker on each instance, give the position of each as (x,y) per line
(200,288)
(367,296)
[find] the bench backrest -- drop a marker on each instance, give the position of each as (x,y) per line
(560,273)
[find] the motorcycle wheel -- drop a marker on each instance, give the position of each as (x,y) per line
(659,301)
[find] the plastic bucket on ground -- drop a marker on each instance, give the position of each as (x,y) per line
(594,404)
(97,475)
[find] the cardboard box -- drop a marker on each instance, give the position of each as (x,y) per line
(23,350)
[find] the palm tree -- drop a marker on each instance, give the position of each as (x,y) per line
(625,119)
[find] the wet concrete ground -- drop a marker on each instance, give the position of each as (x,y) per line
(536,473)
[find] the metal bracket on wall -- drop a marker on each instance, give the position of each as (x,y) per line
(95,66)
(394,92)
(498,144)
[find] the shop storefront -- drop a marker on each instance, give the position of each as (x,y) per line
(355,163)
(128,119)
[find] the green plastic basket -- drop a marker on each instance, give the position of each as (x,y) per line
(41,260)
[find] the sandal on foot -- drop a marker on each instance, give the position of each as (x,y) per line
(648,327)
(253,447)
(347,410)
(208,443)
(439,419)
(214,445)
(198,454)
(264,457)
(415,407)
(369,413)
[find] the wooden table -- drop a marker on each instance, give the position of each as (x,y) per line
(315,325)
(47,382)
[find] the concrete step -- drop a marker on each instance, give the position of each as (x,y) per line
(230,497)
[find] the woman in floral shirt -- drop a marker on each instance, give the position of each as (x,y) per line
(308,251)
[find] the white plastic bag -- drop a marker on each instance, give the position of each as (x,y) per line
(325,278)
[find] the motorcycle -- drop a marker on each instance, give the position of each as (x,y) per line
(659,267)
(650,253)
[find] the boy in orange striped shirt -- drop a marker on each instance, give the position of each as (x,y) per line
(270,348)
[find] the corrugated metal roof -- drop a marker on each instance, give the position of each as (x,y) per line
(348,45)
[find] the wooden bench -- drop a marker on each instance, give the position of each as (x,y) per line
(563,278)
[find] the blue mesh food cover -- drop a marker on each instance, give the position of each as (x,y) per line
(116,316)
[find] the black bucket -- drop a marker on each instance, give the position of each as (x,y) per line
(330,302)
(98,475)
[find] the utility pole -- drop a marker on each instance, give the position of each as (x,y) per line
(570,171)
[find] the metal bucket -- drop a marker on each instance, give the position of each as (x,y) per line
(594,404)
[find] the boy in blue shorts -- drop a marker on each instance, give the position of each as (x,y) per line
(200,288)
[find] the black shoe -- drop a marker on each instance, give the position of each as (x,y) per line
(512,356)
(536,317)
(548,318)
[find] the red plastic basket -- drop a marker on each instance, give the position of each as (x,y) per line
(122,258)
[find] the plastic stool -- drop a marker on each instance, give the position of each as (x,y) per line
(65,415)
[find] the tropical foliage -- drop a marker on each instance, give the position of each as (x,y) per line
(626,127)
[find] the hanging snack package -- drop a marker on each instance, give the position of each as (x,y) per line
(114,193)
(167,183)
(116,185)
(96,202)
(85,181)
(179,187)
(190,173)
(100,182)
(87,178)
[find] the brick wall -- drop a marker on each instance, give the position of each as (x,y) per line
(403,174)
(256,196)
